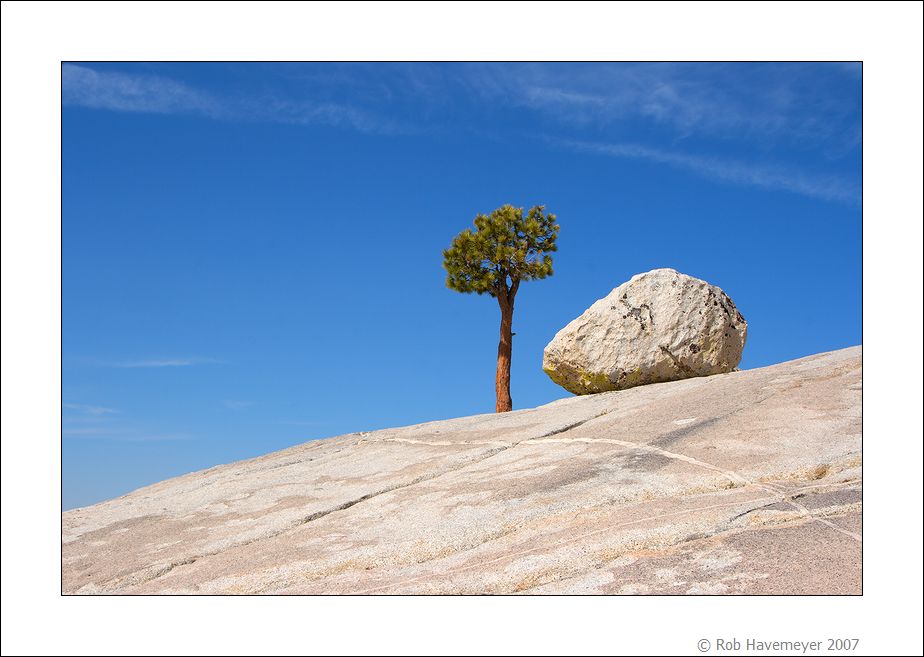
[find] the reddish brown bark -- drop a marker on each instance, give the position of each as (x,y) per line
(505,351)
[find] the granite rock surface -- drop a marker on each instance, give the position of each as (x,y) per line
(747,482)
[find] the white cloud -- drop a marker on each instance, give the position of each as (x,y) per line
(808,105)
(303,112)
(828,188)
(724,100)
(89,431)
(87,409)
(135,92)
(119,435)
(166,362)
(236,404)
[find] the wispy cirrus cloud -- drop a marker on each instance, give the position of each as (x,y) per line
(754,108)
(119,435)
(165,362)
(809,112)
(729,101)
(829,188)
(94,422)
(236,404)
(125,92)
(83,86)
(89,409)
(89,431)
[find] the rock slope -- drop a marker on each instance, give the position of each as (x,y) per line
(747,482)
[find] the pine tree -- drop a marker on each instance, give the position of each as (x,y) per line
(505,249)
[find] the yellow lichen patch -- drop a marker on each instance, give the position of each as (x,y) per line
(595,381)
(557,377)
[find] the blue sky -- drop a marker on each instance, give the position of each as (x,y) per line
(252,252)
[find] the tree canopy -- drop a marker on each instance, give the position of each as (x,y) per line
(505,248)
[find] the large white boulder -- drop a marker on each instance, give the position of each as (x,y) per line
(658,326)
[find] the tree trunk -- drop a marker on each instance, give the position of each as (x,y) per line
(504,352)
